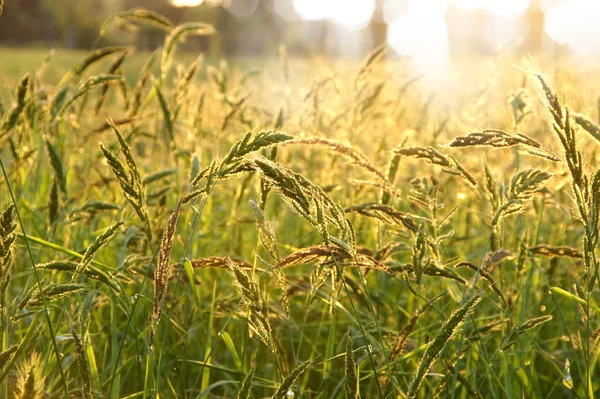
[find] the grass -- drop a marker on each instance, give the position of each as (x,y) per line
(188,228)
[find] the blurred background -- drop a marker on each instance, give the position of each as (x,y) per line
(432,31)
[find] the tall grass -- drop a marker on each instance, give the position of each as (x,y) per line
(202,230)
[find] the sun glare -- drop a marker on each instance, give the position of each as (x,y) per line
(187,3)
(506,8)
(509,8)
(353,15)
(314,9)
(418,28)
(575,23)
(422,34)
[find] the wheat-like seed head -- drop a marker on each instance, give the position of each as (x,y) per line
(350,370)
(177,34)
(509,340)
(392,170)
(113,70)
(386,214)
(98,243)
(94,57)
(556,251)
(244,392)
(501,139)
(234,162)
(430,270)
(269,242)
(286,384)
(129,179)
(221,262)
(89,271)
(524,186)
(7,240)
(10,121)
(51,292)
(163,271)
(61,101)
(494,138)
(306,199)
(349,152)
(53,202)
(491,188)
(6,355)
(372,58)
(83,366)
(336,254)
(255,301)
(30,383)
(402,337)
(235,109)
(493,258)
(448,163)
(588,125)
(140,15)
(439,342)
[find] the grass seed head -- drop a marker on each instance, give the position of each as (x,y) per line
(163,271)
(244,392)
(439,342)
(83,366)
(10,121)
(350,370)
(30,383)
(255,302)
(556,251)
(286,384)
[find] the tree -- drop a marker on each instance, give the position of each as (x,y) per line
(22,21)
(75,24)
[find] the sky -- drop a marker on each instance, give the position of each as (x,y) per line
(418,27)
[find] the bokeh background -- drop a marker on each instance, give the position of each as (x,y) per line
(430,31)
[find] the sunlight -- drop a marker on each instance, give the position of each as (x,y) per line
(505,8)
(575,23)
(422,34)
(187,3)
(470,4)
(393,9)
(434,9)
(314,9)
(352,15)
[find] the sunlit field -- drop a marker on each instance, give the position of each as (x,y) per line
(406,225)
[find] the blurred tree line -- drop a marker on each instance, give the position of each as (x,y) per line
(76,24)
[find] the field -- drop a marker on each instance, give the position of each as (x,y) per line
(176,227)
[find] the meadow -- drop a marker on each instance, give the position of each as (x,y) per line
(175,227)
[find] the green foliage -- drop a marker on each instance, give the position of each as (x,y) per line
(217,213)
